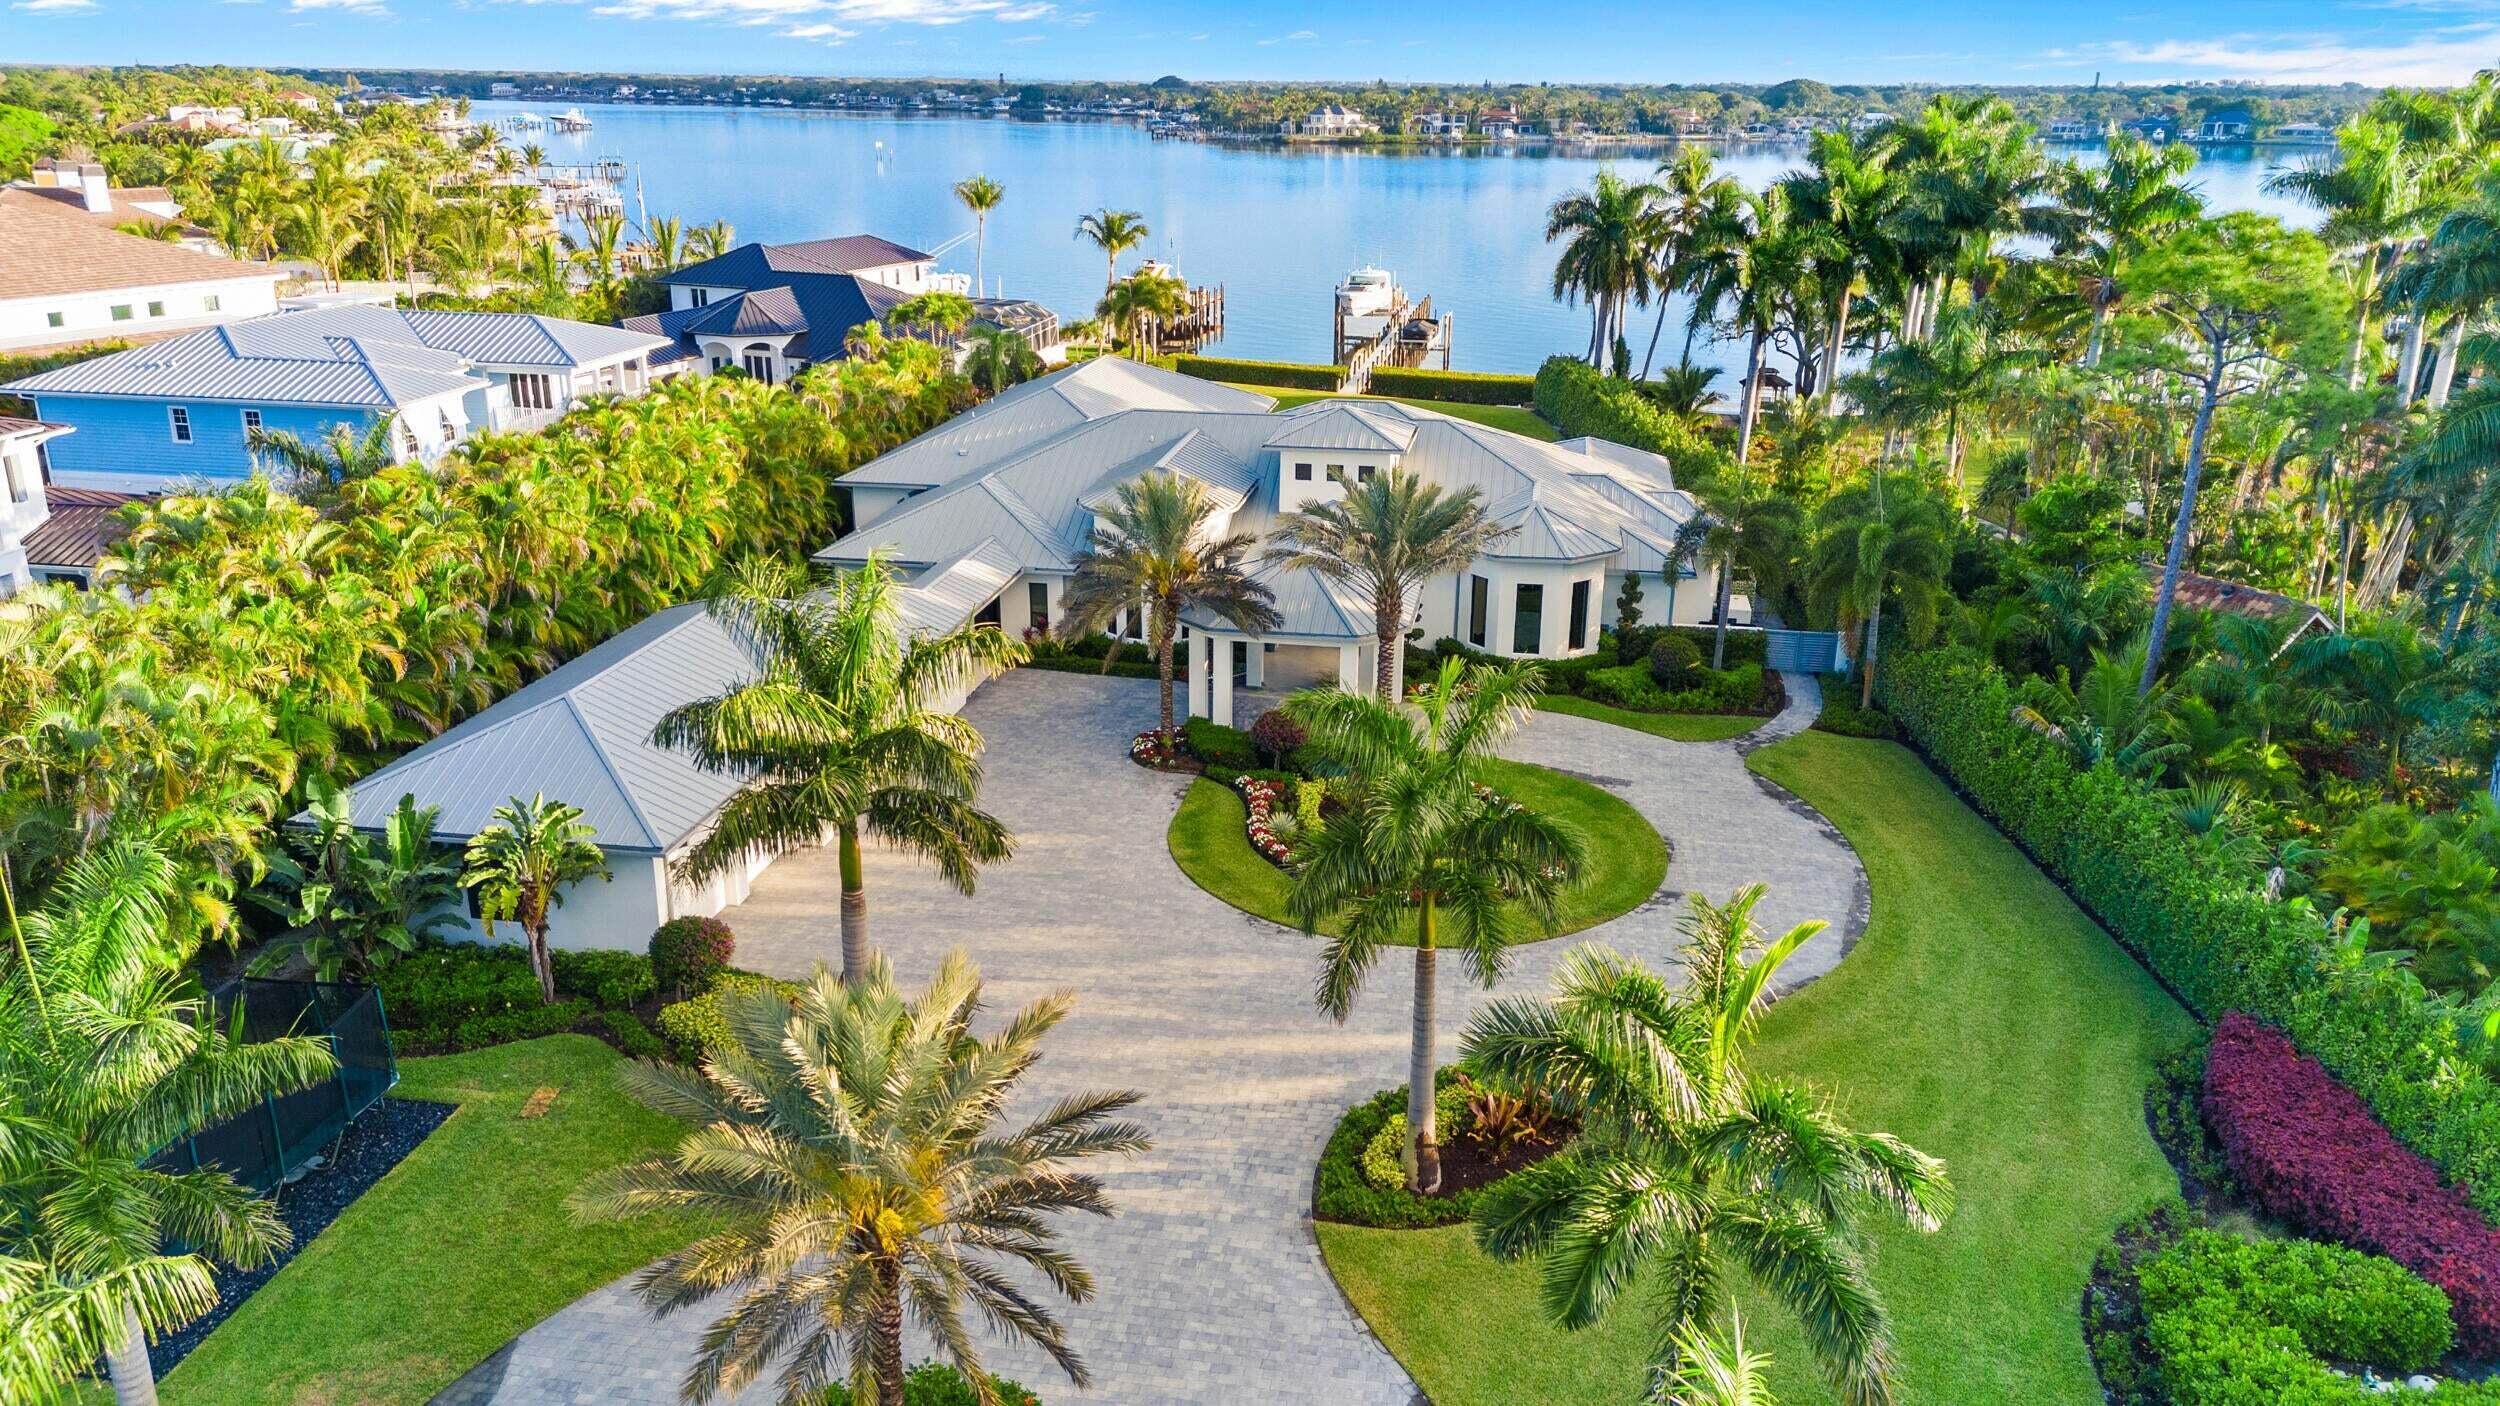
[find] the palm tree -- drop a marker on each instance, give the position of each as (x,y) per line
(1692,198)
(980,195)
(1876,544)
(1155,546)
(400,203)
(2107,213)
(846,1162)
(1757,275)
(998,359)
(842,728)
(162,231)
(1846,195)
(2371,192)
(1715,1371)
(520,865)
(1385,538)
(1613,233)
(668,243)
(1691,1168)
(603,236)
(1963,366)
(1421,852)
(1114,232)
(1143,300)
(710,241)
(325,234)
(106,1055)
(316,473)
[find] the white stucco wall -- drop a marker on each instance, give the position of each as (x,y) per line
(27,322)
(1445,605)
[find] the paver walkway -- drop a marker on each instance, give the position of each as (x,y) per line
(1211,1285)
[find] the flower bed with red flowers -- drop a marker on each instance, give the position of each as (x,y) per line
(2309,1151)
(1147,750)
(1259,798)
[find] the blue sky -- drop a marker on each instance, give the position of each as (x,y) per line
(2371,41)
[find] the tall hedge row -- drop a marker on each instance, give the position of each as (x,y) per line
(1581,400)
(2203,928)
(1289,375)
(1466,387)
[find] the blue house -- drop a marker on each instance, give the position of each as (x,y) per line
(180,413)
(771,310)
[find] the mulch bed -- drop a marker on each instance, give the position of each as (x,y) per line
(1464,1165)
(370,1147)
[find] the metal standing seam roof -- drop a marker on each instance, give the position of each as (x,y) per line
(750,265)
(1196,456)
(1313,606)
(1019,420)
(947,594)
(582,735)
(365,357)
(1337,425)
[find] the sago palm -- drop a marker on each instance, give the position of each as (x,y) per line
(522,862)
(847,1156)
(108,1052)
(1422,854)
(1385,538)
(842,727)
(1692,1170)
(1155,546)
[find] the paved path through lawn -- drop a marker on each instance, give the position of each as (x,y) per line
(1211,1285)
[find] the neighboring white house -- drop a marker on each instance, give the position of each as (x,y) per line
(1016,482)
(66,275)
(24,508)
(1330,120)
(1441,124)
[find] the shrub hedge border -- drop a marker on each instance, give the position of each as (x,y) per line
(1463,387)
(1581,400)
(1290,375)
(2211,938)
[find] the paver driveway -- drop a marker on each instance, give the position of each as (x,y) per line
(1211,1285)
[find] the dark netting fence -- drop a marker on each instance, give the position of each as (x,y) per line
(260,1148)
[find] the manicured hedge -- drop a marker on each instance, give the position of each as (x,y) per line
(452,996)
(2199,924)
(1287,374)
(1581,400)
(1466,387)
(2309,1152)
(1221,748)
(1344,1194)
(2252,1323)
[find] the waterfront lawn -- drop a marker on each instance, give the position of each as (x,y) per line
(1629,859)
(1518,419)
(1982,1017)
(1675,727)
(457,1250)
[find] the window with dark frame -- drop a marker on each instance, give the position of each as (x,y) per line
(1301,472)
(1579,614)
(121,312)
(1527,623)
(1037,603)
(251,423)
(156,309)
(1479,592)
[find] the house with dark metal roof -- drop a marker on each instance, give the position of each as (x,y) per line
(772,310)
(184,410)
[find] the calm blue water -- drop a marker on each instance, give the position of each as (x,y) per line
(1277,228)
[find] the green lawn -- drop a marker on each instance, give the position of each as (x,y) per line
(1675,727)
(458,1249)
(1517,419)
(1630,859)
(1983,1018)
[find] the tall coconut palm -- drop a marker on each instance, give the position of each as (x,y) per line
(1142,301)
(1846,193)
(399,206)
(1755,277)
(2108,213)
(848,1164)
(1692,198)
(980,195)
(843,727)
(1114,232)
(107,1053)
(529,853)
(325,234)
(1612,234)
(1385,538)
(1692,1169)
(602,240)
(1155,547)
(1962,367)
(1421,854)
(1879,543)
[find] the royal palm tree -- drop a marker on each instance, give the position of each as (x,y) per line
(847,1163)
(1612,234)
(520,865)
(1691,1168)
(980,195)
(1154,549)
(1879,543)
(107,1053)
(1114,232)
(2371,192)
(1420,854)
(843,727)
(1385,538)
(2108,213)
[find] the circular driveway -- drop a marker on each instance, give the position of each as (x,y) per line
(1210,1284)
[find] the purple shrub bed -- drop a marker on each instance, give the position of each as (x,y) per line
(2309,1151)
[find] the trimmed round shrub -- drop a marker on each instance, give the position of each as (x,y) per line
(689,954)
(1275,734)
(697,1026)
(1675,663)
(939,1384)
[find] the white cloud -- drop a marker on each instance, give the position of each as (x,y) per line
(2435,57)
(1019,14)
(820,31)
(845,12)
(353,7)
(54,7)
(1302,34)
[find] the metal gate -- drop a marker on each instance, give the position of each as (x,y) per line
(1805,651)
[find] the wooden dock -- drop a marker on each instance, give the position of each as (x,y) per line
(1203,323)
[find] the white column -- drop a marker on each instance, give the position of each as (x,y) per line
(1220,678)
(1258,664)
(1350,675)
(1199,671)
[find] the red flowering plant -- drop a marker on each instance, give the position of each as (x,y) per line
(1260,798)
(1146,749)
(2309,1151)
